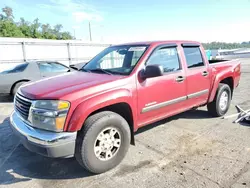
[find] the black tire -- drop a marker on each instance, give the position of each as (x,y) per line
(86,140)
(214,108)
(15,88)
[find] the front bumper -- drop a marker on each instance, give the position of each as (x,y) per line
(45,143)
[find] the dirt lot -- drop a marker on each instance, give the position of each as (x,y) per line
(188,150)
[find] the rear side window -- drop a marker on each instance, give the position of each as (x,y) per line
(167,58)
(45,67)
(193,57)
(15,69)
(58,68)
(52,67)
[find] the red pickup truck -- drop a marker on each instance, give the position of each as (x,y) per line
(92,114)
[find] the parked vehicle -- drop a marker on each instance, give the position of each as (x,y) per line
(14,77)
(92,114)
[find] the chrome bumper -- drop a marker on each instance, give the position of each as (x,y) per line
(46,143)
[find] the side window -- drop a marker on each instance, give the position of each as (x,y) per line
(167,57)
(193,57)
(58,68)
(52,67)
(15,69)
(45,67)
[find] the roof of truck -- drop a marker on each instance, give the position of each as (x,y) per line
(158,42)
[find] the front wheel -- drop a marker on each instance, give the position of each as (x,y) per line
(103,142)
(221,102)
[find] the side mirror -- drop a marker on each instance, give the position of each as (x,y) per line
(151,71)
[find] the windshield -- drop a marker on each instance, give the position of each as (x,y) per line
(116,60)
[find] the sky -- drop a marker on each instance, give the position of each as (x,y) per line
(142,20)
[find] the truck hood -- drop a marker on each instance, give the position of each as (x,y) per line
(59,86)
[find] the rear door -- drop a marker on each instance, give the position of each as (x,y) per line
(48,69)
(198,78)
(165,95)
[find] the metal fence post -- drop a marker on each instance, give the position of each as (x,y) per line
(24,52)
(69,54)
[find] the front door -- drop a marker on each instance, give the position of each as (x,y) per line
(164,95)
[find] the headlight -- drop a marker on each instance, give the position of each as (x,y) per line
(49,114)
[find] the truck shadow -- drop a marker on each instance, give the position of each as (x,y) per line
(245,123)
(6,98)
(191,114)
(17,164)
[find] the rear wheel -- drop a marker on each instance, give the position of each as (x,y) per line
(15,88)
(221,102)
(103,142)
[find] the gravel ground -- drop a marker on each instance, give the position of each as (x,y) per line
(188,150)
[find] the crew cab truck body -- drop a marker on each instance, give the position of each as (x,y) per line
(92,114)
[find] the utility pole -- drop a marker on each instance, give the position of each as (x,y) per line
(90,35)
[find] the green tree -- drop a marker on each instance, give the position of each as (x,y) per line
(57,30)
(9,29)
(35,29)
(23,28)
(66,36)
(47,32)
(7,14)
(45,29)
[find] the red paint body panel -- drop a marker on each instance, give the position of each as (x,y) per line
(98,102)
(220,71)
(88,92)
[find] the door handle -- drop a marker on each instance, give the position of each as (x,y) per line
(180,79)
(204,73)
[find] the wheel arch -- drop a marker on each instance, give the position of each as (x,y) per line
(230,82)
(124,110)
(14,84)
(223,80)
(120,102)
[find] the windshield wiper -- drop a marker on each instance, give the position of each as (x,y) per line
(100,70)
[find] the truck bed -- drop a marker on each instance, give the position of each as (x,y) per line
(217,61)
(224,63)
(222,66)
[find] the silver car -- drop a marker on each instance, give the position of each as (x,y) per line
(12,78)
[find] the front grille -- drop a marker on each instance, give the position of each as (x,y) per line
(22,106)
